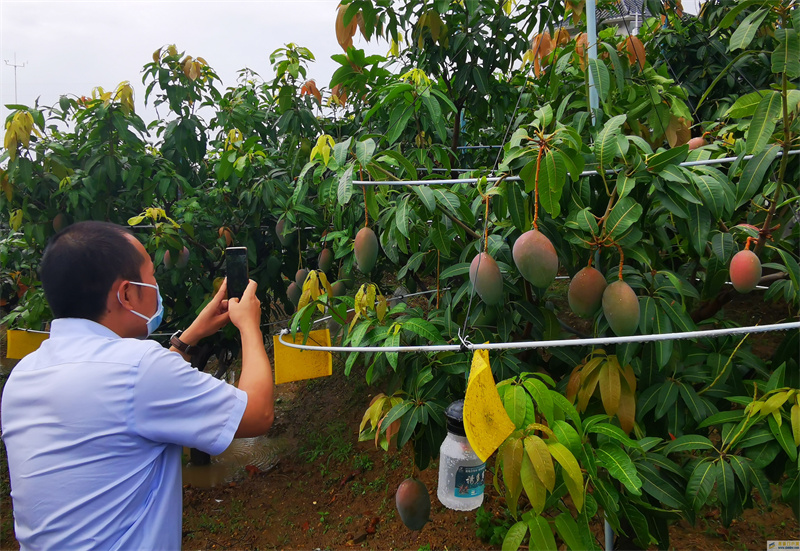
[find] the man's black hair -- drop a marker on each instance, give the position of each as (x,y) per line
(81,263)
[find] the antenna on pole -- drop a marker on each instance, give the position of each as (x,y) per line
(16,66)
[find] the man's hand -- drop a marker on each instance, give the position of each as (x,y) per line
(211,319)
(245,313)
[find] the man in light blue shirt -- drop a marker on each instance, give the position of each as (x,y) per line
(94,422)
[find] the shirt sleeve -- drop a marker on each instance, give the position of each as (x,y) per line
(177,404)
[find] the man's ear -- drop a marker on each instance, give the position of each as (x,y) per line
(123,291)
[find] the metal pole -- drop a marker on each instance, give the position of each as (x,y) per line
(591,36)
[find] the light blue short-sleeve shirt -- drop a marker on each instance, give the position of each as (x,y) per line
(94,427)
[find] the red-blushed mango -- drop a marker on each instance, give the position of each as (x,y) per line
(365,247)
(486,278)
(621,308)
(283,226)
(536,258)
(586,292)
(339,289)
(294,291)
(413,503)
(325,260)
(745,271)
(694,143)
(60,222)
(300,277)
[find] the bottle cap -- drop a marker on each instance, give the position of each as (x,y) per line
(455,418)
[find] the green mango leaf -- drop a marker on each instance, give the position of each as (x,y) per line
(786,57)
(701,482)
(763,124)
(552,177)
(601,77)
(515,535)
(614,432)
(572,472)
(783,434)
(654,484)
(747,29)
(541,534)
(402,213)
(340,151)
(730,17)
(517,206)
(365,150)
(689,442)
(606,148)
(699,227)
(424,329)
(624,214)
(745,106)
(620,466)
(426,196)
(726,490)
(345,190)
(516,402)
(569,531)
(661,160)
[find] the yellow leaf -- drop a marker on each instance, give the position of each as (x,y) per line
(512,463)
(630,377)
(532,485)
(359,298)
(157,56)
(305,299)
(172,50)
(609,388)
(370,296)
(381,309)
(796,424)
(572,472)
(15,220)
(542,462)
(325,284)
(774,403)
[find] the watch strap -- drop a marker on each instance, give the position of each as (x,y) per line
(175,340)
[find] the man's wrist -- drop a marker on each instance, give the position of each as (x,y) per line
(183,343)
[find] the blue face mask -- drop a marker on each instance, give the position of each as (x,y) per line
(155,320)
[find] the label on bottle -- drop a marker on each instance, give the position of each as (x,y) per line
(469,481)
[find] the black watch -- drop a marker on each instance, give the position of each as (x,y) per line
(175,340)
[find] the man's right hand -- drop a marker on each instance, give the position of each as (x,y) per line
(245,313)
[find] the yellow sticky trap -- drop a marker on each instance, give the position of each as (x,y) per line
(22,343)
(485,419)
(292,364)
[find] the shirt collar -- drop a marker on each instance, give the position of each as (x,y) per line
(71,327)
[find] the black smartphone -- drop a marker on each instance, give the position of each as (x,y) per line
(236,267)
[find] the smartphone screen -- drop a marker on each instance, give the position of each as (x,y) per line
(236,266)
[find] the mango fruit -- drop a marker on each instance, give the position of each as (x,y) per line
(300,277)
(486,278)
(325,259)
(536,258)
(621,308)
(585,292)
(413,503)
(294,292)
(745,271)
(366,249)
(339,289)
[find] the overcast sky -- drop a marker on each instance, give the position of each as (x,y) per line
(69,47)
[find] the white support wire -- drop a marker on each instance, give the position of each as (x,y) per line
(549,344)
(452,181)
